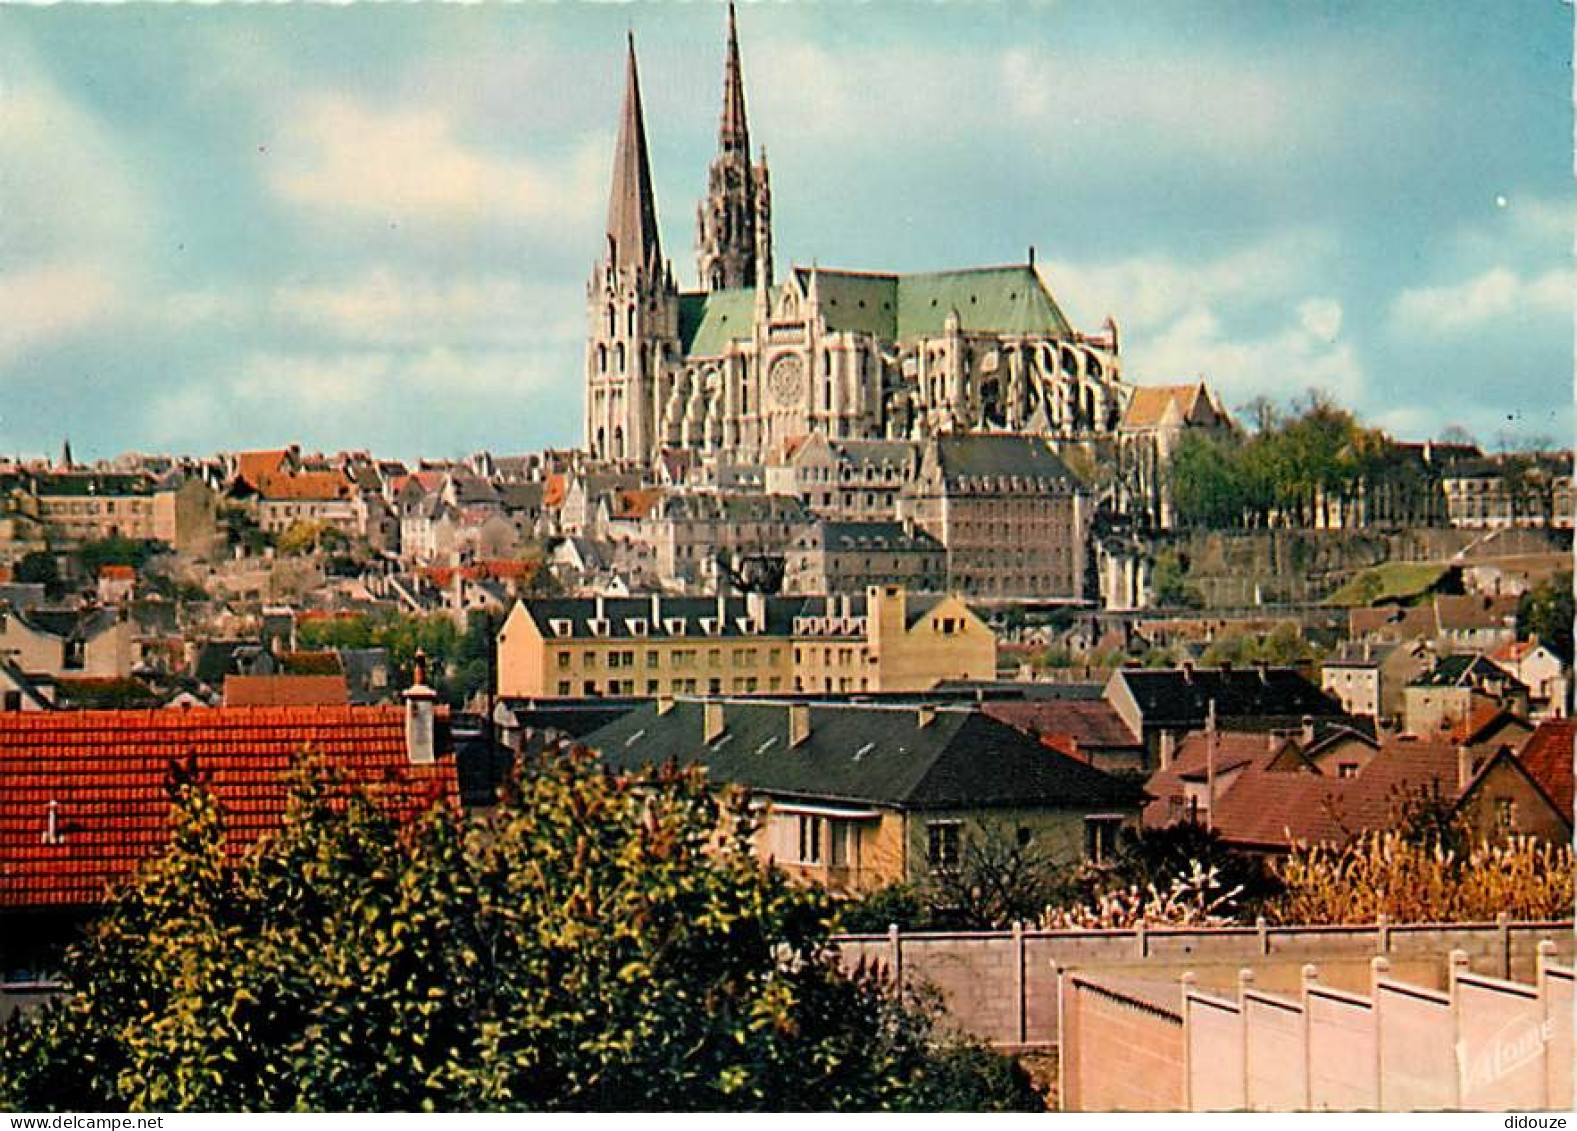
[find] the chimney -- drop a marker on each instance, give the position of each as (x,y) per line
(756,607)
(1264,671)
(927,715)
(1306,733)
(1464,767)
(657,611)
(711,721)
(665,704)
(1188,671)
(799,723)
(420,701)
(601,607)
(52,824)
(1168,746)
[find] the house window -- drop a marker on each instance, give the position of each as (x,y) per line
(942,844)
(810,836)
(1347,769)
(1505,814)
(1100,838)
(564,687)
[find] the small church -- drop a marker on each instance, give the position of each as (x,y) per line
(750,361)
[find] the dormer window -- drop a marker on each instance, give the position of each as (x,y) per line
(674,626)
(599,626)
(636,626)
(710,626)
(561,627)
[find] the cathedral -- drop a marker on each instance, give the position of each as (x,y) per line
(749,361)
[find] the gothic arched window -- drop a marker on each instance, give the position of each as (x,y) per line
(630,322)
(602,359)
(618,358)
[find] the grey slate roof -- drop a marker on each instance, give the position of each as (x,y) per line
(881,536)
(995,458)
(1466,671)
(882,756)
(1170,696)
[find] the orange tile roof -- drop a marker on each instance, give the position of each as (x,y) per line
(106,772)
(1547,757)
(1265,807)
(286,691)
(637,503)
(254,467)
(307,485)
(117,573)
(1148,407)
(554,488)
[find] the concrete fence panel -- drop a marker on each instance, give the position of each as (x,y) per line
(1559,1019)
(1500,1044)
(1128,1052)
(1275,1054)
(1342,1047)
(1417,1062)
(1213,1030)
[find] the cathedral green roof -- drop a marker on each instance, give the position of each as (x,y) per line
(991,300)
(709,321)
(893,308)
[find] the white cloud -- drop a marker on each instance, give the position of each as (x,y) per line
(385,307)
(1498,294)
(1298,355)
(52,302)
(420,381)
(409,166)
(1149,291)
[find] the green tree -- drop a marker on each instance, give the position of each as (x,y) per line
(39,567)
(313,538)
(593,943)
(1547,611)
(1169,582)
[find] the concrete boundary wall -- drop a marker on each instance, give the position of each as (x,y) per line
(1481,1044)
(1002,985)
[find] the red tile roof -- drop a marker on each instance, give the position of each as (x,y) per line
(1088,724)
(1275,808)
(117,573)
(106,770)
(1547,757)
(286,691)
(311,486)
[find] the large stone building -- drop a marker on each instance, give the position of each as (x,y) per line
(749,362)
(881,640)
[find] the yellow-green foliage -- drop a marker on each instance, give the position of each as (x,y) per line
(1386,873)
(593,942)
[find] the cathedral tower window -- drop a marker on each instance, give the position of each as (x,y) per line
(618,357)
(629,322)
(602,359)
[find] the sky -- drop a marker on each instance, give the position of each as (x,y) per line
(371,227)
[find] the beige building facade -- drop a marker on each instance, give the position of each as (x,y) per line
(883,640)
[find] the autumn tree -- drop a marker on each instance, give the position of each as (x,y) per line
(594,942)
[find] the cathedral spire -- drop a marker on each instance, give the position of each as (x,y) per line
(733,222)
(733,133)
(632,206)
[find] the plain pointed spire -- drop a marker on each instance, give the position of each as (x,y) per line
(632,206)
(732,131)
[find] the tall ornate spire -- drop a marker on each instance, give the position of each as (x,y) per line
(632,206)
(733,134)
(730,220)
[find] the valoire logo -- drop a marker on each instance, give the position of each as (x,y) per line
(1519,1042)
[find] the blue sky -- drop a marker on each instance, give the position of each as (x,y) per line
(371,227)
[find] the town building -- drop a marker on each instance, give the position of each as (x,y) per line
(849,557)
(881,640)
(1011,516)
(857,797)
(844,480)
(1457,692)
